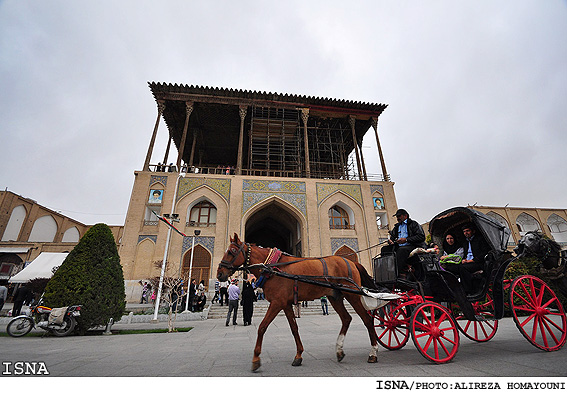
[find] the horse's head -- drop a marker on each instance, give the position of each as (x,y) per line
(530,243)
(236,257)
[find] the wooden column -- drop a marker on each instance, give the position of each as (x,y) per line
(167,151)
(193,148)
(242,111)
(161,108)
(305,117)
(382,162)
(189,107)
(352,122)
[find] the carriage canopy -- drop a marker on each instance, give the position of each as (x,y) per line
(451,221)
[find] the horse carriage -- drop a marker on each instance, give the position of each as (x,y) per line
(434,308)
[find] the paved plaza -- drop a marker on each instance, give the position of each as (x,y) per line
(211,349)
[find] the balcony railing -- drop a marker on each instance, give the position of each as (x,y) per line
(267,173)
(341,226)
(200,224)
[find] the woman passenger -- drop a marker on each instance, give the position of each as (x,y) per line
(453,254)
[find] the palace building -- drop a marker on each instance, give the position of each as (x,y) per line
(279,170)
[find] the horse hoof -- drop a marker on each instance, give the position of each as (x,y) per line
(256,365)
(297,362)
(372,359)
(340,356)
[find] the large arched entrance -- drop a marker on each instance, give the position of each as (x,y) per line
(274,226)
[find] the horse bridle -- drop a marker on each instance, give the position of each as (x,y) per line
(235,253)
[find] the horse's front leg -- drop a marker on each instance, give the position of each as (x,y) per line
(272,312)
(295,331)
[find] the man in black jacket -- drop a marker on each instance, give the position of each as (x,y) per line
(406,236)
(476,249)
(23,295)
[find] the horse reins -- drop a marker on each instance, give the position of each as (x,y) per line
(271,267)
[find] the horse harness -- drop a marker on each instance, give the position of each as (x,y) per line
(270,267)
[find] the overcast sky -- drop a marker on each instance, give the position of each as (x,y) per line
(477,90)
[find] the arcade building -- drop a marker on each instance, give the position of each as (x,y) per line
(279,170)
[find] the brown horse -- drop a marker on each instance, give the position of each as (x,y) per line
(290,280)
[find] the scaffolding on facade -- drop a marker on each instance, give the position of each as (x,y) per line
(276,145)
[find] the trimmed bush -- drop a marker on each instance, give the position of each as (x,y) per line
(92,276)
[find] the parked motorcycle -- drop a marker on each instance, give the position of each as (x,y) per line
(59,321)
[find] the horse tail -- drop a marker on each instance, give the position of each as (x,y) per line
(365,279)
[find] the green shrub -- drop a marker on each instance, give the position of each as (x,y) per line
(92,276)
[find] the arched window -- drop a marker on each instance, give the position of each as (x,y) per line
(71,235)
(14,224)
(497,217)
(44,230)
(348,253)
(339,218)
(558,228)
(527,223)
(203,214)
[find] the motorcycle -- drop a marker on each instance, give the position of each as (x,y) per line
(59,321)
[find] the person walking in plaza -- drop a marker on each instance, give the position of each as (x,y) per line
(325,305)
(23,295)
(192,291)
(223,287)
(233,296)
(3,293)
(248,299)
(260,294)
(217,292)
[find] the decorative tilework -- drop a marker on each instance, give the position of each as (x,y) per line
(326,189)
(273,186)
(160,179)
(153,238)
(377,188)
(337,243)
(186,185)
(206,241)
(256,191)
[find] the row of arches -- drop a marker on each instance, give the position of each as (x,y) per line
(44,229)
(526,222)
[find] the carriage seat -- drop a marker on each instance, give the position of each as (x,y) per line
(482,277)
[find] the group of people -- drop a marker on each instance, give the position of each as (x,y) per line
(147,293)
(22,295)
(463,258)
(197,296)
(247,301)
(165,168)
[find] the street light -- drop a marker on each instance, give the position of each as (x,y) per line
(197,233)
(164,262)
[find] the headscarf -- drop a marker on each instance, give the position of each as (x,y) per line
(448,248)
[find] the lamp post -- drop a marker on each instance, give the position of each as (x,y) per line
(197,233)
(164,262)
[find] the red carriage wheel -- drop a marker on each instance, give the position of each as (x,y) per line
(482,330)
(434,332)
(392,325)
(538,313)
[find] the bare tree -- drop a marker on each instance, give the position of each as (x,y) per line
(171,292)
